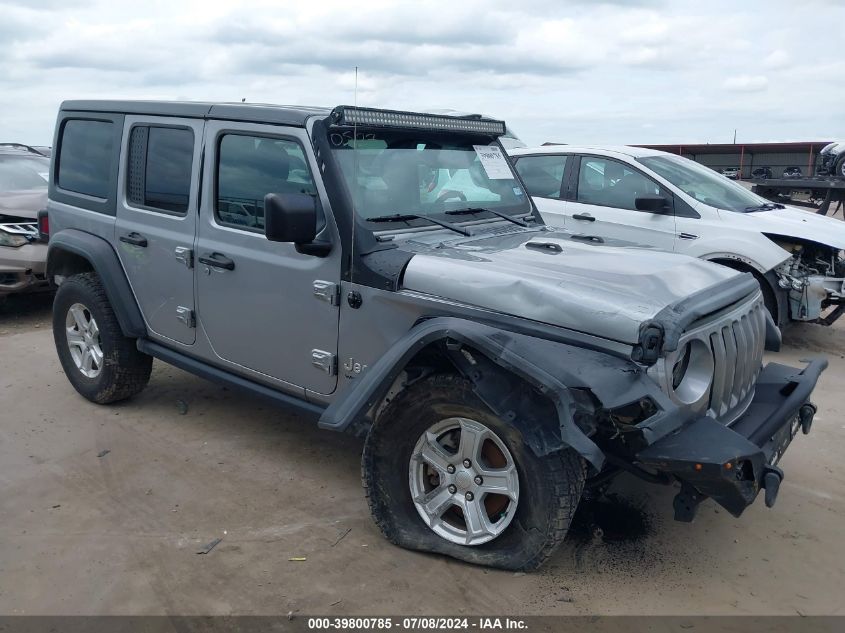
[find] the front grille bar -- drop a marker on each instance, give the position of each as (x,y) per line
(737,353)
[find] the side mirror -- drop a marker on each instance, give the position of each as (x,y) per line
(653,204)
(290,217)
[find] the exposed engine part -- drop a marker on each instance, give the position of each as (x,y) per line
(814,279)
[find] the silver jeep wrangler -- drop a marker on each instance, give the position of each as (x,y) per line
(385,273)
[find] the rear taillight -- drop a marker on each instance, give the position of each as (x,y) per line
(43,226)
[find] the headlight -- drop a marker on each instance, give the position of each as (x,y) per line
(691,371)
(10,239)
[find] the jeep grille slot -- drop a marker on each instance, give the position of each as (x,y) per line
(737,353)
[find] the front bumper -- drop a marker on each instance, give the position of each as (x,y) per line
(22,269)
(732,464)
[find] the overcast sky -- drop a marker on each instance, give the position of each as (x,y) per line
(637,71)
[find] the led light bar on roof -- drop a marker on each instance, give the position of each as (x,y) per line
(348,115)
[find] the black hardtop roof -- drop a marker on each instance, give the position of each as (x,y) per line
(255,112)
(250,112)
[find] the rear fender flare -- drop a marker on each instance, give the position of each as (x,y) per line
(72,251)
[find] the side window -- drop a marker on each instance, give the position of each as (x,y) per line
(159,171)
(85,155)
(542,175)
(250,167)
(608,183)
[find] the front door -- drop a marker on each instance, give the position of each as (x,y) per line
(264,306)
(157,218)
(603,204)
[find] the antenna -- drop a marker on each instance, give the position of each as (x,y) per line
(355,179)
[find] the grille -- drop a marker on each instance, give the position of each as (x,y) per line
(28,229)
(734,339)
(737,347)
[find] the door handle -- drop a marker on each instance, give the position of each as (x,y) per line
(217,260)
(136,239)
(588,238)
(583,216)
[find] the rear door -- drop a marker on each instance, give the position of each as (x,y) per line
(157,219)
(543,176)
(602,203)
(264,306)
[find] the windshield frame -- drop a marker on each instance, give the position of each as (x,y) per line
(752,200)
(520,209)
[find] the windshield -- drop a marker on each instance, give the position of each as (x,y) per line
(18,173)
(703,184)
(410,172)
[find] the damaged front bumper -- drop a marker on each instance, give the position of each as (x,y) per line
(731,464)
(811,295)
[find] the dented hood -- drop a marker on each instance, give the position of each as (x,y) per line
(792,222)
(22,204)
(598,289)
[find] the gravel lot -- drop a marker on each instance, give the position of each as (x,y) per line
(105,508)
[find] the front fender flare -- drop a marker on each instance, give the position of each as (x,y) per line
(553,369)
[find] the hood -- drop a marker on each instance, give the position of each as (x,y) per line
(23,204)
(596,289)
(792,222)
(833,148)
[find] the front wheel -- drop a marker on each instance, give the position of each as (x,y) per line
(444,474)
(839,170)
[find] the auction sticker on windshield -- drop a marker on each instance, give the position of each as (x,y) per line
(494,162)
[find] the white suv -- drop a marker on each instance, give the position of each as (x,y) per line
(658,200)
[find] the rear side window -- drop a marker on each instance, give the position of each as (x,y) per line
(542,175)
(250,167)
(85,157)
(159,171)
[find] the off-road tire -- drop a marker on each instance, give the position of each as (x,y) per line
(549,487)
(125,370)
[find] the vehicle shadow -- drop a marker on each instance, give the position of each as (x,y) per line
(25,311)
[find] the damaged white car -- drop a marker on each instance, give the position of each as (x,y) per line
(659,200)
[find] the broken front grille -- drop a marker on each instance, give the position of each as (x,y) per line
(721,356)
(737,344)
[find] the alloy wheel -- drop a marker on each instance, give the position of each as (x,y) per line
(464,482)
(83,340)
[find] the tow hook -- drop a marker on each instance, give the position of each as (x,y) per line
(772,476)
(805,415)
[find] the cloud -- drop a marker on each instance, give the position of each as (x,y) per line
(746,83)
(580,71)
(776,59)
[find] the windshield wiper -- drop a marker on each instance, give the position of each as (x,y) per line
(766,206)
(474,210)
(406,217)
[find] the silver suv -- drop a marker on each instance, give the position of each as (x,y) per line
(23,194)
(385,274)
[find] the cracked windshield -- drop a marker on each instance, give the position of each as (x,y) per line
(393,176)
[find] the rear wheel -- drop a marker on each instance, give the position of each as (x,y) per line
(444,474)
(101,363)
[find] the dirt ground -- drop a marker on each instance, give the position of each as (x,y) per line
(103,511)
